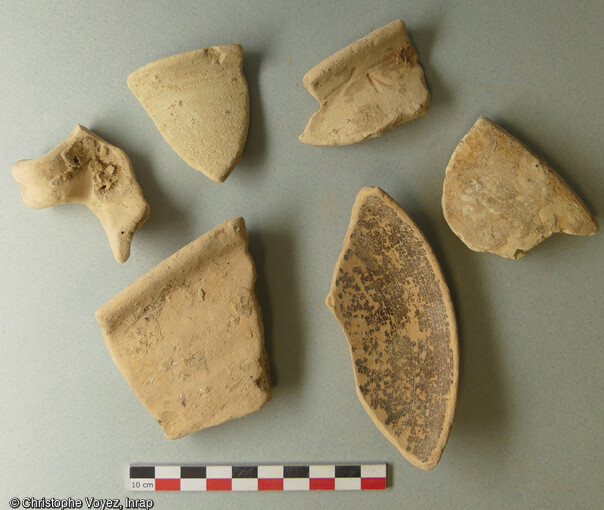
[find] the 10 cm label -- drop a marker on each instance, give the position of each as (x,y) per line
(146,485)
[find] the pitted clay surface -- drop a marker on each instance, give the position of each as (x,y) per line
(366,89)
(390,297)
(501,198)
(85,169)
(199,102)
(188,335)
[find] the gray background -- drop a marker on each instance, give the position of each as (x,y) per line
(528,431)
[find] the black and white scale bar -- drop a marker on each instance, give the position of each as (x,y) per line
(298,477)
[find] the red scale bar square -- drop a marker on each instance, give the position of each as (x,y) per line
(322,484)
(373,483)
(218,484)
(167,484)
(270,484)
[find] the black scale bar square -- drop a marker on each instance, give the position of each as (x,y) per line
(192,471)
(245,471)
(348,471)
(296,471)
(142,471)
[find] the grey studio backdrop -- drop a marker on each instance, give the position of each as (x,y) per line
(528,431)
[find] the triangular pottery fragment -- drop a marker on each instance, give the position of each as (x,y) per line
(188,335)
(199,101)
(390,297)
(85,169)
(366,89)
(501,198)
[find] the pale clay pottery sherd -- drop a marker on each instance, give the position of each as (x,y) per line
(366,89)
(85,169)
(199,102)
(188,335)
(390,297)
(501,198)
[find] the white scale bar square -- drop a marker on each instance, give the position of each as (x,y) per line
(193,484)
(270,471)
(373,470)
(219,472)
(244,484)
(348,484)
(296,484)
(322,471)
(167,471)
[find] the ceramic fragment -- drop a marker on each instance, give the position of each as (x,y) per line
(390,297)
(366,89)
(199,102)
(85,169)
(501,198)
(188,335)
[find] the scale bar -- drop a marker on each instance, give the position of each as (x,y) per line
(298,477)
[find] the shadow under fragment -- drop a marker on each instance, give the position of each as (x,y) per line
(274,255)
(254,152)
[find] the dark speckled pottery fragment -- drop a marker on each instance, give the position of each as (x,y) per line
(390,297)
